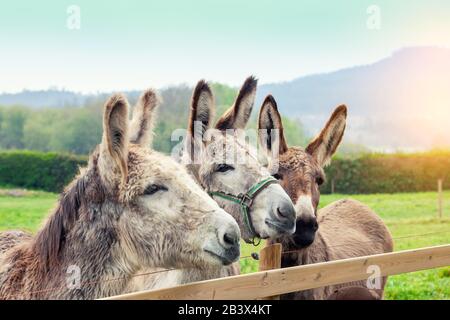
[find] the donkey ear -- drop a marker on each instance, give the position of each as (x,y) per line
(270,133)
(238,115)
(325,144)
(202,110)
(114,146)
(143,117)
(200,118)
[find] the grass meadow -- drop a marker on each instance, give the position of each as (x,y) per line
(405,214)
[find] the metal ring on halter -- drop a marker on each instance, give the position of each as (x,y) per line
(245,201)
(255,243)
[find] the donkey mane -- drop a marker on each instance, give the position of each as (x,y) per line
(50,240)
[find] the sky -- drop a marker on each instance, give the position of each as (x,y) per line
(135,44)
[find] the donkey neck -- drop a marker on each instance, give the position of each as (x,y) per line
(77,254)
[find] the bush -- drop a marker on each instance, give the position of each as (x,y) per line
(381,173)
(38,170)
(366,174)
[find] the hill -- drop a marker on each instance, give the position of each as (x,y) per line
(402,101)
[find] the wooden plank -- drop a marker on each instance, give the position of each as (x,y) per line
(440,198)
(275,282)
(269,259)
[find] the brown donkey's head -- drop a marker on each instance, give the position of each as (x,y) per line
(299,170)
(223,162)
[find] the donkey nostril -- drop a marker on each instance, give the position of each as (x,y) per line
(307,224)
(286,212)
(315,225)
(230,239)
(281,213)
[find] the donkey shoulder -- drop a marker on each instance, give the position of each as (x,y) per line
(353,225)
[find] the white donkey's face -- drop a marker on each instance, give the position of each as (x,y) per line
(223,162)
(166,219)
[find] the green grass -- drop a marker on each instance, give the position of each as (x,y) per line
(25,212)
(405,214)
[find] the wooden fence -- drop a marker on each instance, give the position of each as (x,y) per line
(271,283)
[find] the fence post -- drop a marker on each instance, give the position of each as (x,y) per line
(332,186)
(440,205)
(270,258)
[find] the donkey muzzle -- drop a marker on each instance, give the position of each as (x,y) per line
(305,231)
(282,217)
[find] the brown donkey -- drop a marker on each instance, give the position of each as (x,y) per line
(344,229)
(130,208)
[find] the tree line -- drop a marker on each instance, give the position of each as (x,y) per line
(77,129)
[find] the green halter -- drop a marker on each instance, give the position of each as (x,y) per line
(245,201)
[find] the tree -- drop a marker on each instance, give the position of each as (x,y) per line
(77,132)
(11,130)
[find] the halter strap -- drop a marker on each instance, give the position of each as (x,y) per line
(245,201)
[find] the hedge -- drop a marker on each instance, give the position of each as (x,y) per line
(38,170)
(366,174)
(389,173)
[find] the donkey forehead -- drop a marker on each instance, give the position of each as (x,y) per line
(298,161)
(147,166)
(228,147)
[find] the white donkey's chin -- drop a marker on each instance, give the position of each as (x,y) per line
(273,213)
(221,245)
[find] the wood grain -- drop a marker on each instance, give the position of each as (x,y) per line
(275,282)
(269,259)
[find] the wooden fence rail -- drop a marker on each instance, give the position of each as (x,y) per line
(275,282)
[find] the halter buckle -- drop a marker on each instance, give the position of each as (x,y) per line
(245,200)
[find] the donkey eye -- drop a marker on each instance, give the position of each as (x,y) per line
(277,176)
(224,168)
(153,188)
(319,181)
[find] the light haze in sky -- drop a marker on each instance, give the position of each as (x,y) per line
(134,44)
